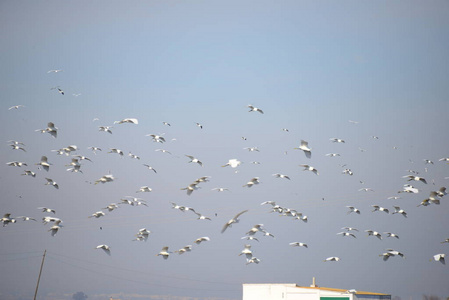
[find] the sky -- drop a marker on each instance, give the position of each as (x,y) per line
(310,66)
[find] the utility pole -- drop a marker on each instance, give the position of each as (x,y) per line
(40,272)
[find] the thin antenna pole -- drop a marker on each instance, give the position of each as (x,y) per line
(40,272)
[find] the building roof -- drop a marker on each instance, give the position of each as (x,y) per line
(340,290)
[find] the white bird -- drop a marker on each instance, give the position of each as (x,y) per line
(350,229)
(428,161)
(253,259)
(166,123)
(332,258)
(398,210)
(105,178)
(305,147)
(150,168)
(389,234)
(54,71)
(444,159)
(16,106)
(164,252)
(347,234)
(115,150)
(184,249)
(7,219)
(247,252)
(55,228)
(409,189)
(82,157)
(51,182)
(133,156)
(127,120)
(16,164)
(201,217)
(29,173)
(97,214)
(17,147)
(380,208)
(439,257)
(252,108)
(298,244)
(46,209)
(249,238)
(336,140)
(310,168)
(415,178)
(255,229)
(194,160)
(220,189)
(374,233)
(347,171)
(145,189)
(232,221)
(105,128)
(105,248)
(144,233)
(390,253)
(190,188)
(46,220)
(252,149)
(94,149)
(111,207)
(278,175)
(157,138)
(201,239)
(332,154)
(163,151)
(51,129)
(252,182)
(24,218)
(199,125)
(366,190)
(353,209)
(441,192)
(394,198)
(233,163)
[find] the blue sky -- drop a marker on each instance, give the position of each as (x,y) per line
(311,66)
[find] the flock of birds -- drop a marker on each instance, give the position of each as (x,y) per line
(252,235)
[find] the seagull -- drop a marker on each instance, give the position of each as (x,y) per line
(59,90)
(399,211)
(278,175)
(350,229)
(332,258)
(133,156)
(184,249)
(97,214)
(51,182)
(440,258)
(127,120)
(255,229)
(55,228)
(347,171)
(305,147)
(336,140)
(374,233)
(190,188)
(46,220)
(353,209)
(164,252)
(94,149)
(415,178)
(233,163)
(310,168)
(44,163)
(16,106)
(150,168)
(366,190)
(247,252)
(252,260)
(16,164)
(285,129)
(233,220)
(115,150)
(194,160)
(105,178)
(201,217)
(201,239)
(409,189)
(29,173)
(444,159)
(27,218)
(46,209)
(389,253)
(220,189)
(347,234)
(332,154)
(199,125)
(105,248)
(157,138)
(441,192)
(7,219)
(252,108)
(111,207)
(252,182)
(249,238)
(298,244)
(389,234)
(163,151)
(105,128)
(82,157)
(51,129)
(394,198)
(380,208)
(252,149)
(166,123)
(54,71)
(428,161)
(445,241)
(144,233)
(353,122)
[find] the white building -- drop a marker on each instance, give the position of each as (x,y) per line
(292,291)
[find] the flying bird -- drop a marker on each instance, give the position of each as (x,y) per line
(310,168)
(353,209)
(305,147)
(415,178)
(164,252)
(105,248)
(252,182)
(439,257)
(16,106)
(194,160)
(298,244)
(233,163)
(127,120)
(253,108)
(51,182)
(105,128)
(232,221)
(332,258)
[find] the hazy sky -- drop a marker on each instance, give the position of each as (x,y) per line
(311,66)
